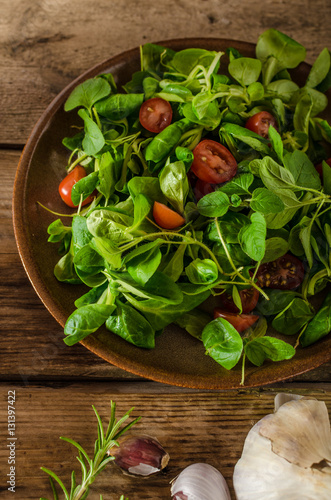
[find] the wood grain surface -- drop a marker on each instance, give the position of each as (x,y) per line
(44,45)
(192,426)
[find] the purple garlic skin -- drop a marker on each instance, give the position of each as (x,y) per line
(180,496)
(140,455)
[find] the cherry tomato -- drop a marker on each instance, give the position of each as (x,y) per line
(67,183)
(213,163)
(249,298)
(155,114)
(285,273)
(202,188)
(260,123)
(165,217)
(240,321)
(319,167)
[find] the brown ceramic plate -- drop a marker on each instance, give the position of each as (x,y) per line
(178,358)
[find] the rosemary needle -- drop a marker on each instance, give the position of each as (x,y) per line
(91,467)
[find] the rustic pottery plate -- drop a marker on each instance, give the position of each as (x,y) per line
(178,358)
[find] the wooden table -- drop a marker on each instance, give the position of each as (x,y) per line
(43,46)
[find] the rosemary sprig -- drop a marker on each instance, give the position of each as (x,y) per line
(91,467)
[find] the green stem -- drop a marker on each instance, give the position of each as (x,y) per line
(76,162)
(227,253)
(97,119)
(324,211)
(237,272)
(212,67)
(311,285)
(243,369)
(186,240)
(55,213)
(58,480)
(298,339)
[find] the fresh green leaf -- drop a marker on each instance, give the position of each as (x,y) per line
(160,314)
(245,70)
(278,51)
(278,300)
(260,349)
(326,170)
(320,69)
(174,184)
(202,271)
(293,318)
(319,326)
(87,93)
(222,342)
(302,169)
(274,248)
(94,140)
(131,326)
(84,187)
(86,320)
(163,143)
(266,202)
(238,185)
(119,106)
(252,237)
(214,204)
(144,261)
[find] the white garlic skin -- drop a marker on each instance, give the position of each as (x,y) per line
(281,453)
(284,397)
(200,482)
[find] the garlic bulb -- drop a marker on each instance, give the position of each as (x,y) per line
(140,455)
(200,482)
(287,455)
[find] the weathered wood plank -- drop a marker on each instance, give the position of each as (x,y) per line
(45,44)
(193,427)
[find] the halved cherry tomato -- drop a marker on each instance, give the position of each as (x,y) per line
(240,321)
(213,163)
(260,123)
(249,298)
(202,188)
(155,114)
(67,183)
(165,217)
(319,167)
(285,273)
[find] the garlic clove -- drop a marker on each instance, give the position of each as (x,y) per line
(284,397)
(300,432)
(140,455)
(262,474)
(200,482)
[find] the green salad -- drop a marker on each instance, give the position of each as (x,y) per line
(205,175)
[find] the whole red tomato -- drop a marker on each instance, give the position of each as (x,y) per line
(155,114)
(249,298)
(260,123)
(67,183)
